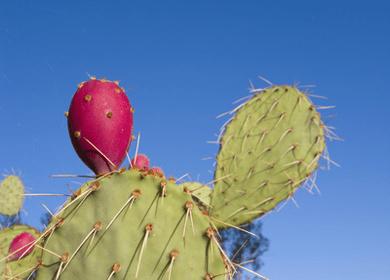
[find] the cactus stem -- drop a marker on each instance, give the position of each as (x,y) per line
(97,226)
(218,221)
(189,206)
(100,152)
(148,229)
(244,268)
(136,193)
(174,255)
(240,209)
(115,268)
(262,137)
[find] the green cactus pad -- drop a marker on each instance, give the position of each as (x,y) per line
(15,267)
(11,195)
(269,149)
(201,194)
(3,263)
(147,235)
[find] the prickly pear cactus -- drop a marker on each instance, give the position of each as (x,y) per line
(100,124)
(146,226)
(201,194)
(137,225)
(268,150)
(25,263)
(11,195)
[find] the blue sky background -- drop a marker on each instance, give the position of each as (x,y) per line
(189,60)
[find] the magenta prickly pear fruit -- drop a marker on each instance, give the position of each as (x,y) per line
(20,246)
(100,123)
(157,170)
(141,162)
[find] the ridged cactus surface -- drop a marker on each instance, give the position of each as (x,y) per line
(147,225)
(270,147)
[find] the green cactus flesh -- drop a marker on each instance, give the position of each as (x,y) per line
(201,194)
(11,195)
(146,226)
(2,263)
(269,149)
(19,268)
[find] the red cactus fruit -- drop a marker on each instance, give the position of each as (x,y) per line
(157,170)
(100,124)
(141,162)
(23,240)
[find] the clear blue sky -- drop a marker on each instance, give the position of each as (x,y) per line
(189,60)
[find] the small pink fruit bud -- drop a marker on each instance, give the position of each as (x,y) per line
(157,170)
(141,162)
